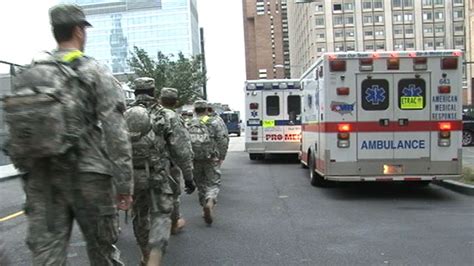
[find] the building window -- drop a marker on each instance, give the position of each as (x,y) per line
(459,42)
(350,33)
(339,47)
(428,29)
(319,21)
(439,44)
(408,3)
(458,14)
(427,15)
(319,8)
(348,6)
(368,33)
(380,46)
(378,18)
(368,19)
(397,17)
(409,32)
(459,28)
(427,2)
(439,28)
(398,45)
(458,2)
(379,33)
(338,33)
(396,3)
(410,45)
(438,2)
(439,15)
(369,47)
(428,44)
(338,21)
(398,31)
(350,46)
(378,4)
(337,7)
(349,20)
(408,17)
(367,4)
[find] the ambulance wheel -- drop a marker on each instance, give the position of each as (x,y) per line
(253,156)
(238,134)
(316,179)
(467,138)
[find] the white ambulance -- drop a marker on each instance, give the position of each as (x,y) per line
(388,116)
(273,113)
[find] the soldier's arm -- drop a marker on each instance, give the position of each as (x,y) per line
(180,147)
(220,139)
(110,109)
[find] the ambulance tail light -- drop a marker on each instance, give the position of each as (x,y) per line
(366,64)
(444,135)
(337,65)
(444,89)
(420,63)
(253,106)
(449,63)
(254,134)
(393,63)
(343,91)
(343,135)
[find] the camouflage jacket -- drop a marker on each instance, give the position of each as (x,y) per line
(223,130)
(218,135)
(106,148)
(169,125)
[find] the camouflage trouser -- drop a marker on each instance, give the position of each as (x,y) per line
(208,180)
(176,187)
(152,227)
(54,200)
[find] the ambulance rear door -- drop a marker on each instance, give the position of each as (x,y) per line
(272,114)
(412,125)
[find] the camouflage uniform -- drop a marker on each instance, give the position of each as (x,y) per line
(182,165)
(223,129)
(79,184)
(153,197)
(206,172)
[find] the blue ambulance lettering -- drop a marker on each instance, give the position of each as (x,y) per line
(393,145)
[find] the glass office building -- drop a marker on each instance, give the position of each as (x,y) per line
(169,26)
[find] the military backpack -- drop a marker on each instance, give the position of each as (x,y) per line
(45,113)
(201,140)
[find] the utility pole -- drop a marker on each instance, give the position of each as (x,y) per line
(203,66)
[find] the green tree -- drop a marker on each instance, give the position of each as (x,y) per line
(184,74)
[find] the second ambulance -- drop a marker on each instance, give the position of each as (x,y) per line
(388,116)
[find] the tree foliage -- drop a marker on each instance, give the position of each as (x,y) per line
(184,74)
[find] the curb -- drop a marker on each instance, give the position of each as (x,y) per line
(5,178)
(456,186)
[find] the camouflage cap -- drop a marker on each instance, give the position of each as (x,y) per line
(66,14)
(143,84)
(169,93)
(200,104)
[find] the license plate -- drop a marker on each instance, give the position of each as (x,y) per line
(390,169)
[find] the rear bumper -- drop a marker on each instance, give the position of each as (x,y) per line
(272,147)
(390,178)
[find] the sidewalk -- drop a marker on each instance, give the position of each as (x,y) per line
(8,171)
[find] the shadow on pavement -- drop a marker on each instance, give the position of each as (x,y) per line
(384,191)
(278,159)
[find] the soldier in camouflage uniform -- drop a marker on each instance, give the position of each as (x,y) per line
(223,127)
(206,172)
(168,99)
(78,185)
(153,196)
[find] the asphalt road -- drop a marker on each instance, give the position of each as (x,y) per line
(269,214)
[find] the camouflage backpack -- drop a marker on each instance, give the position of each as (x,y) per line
(142,137)
(200,135)
(45,114)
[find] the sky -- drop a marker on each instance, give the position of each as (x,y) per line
(26,31)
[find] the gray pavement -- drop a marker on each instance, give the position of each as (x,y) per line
(268,214)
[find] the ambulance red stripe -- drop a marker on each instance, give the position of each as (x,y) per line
(412,126)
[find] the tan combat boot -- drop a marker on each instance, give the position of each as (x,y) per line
(208,208)
(177,226)
(155,257)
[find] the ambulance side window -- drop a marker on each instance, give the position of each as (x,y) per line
(375,94)
(273,105)
(412,94)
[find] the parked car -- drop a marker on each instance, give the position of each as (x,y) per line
(468,125)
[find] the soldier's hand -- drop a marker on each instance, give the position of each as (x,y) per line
(189,186)
(124,202)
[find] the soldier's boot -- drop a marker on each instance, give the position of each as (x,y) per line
(208,209)
(177,226)
(155,257)
(145,256)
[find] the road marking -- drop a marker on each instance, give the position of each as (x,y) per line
(11,216)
